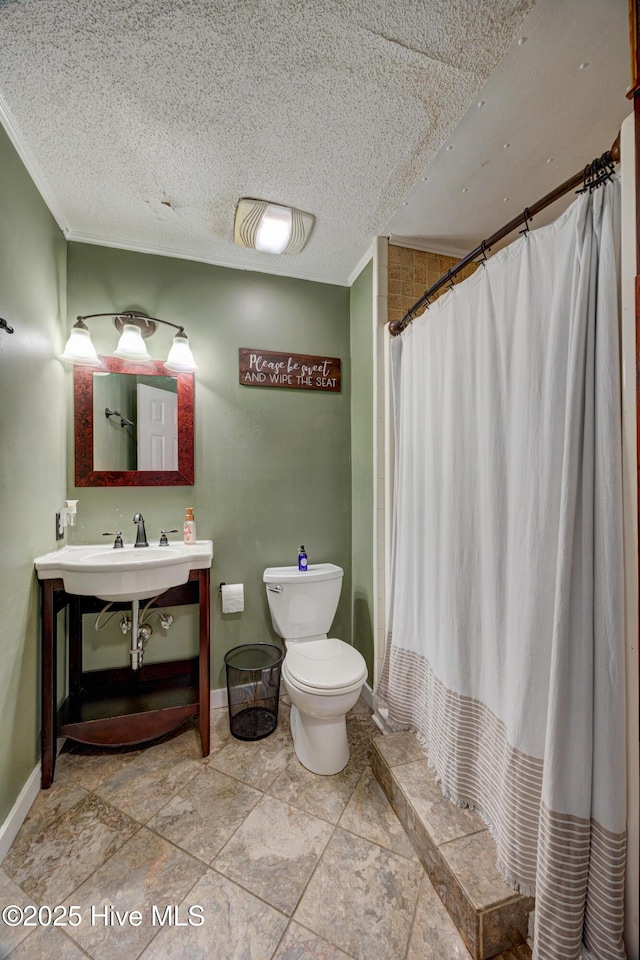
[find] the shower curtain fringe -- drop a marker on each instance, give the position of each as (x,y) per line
(591,177)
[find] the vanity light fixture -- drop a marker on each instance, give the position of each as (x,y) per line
(134,328)
(271,227)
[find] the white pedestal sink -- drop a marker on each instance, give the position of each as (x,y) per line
(131,573)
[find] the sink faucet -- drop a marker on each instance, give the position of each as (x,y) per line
(141,537)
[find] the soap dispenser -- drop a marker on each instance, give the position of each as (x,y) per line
(302,560)
(189,526)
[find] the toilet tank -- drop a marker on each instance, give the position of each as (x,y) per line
(303,603)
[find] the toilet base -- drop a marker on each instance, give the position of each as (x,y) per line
(320,743)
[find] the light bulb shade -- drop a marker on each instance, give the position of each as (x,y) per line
(271,227)
(131,346)
(180,358)
(274,232)
(79,349)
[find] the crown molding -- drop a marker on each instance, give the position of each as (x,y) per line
(31,164)
(159,250)
(416,243)
(359,267)
(34,170)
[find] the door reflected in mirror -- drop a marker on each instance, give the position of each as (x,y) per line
(133,425)
(135,422)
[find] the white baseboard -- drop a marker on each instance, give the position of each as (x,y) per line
(19,811)
(367,695)
(219,698)
(380,717)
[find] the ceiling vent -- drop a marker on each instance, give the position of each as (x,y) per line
(271,227)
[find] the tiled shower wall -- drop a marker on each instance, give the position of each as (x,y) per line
(411,272)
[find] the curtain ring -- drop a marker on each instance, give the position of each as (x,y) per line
(527,216)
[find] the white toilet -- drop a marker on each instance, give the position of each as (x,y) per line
(322,675)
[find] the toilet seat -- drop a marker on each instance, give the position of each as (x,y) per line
(326,666)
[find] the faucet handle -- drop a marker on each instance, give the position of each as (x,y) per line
(118,545)
(164,542)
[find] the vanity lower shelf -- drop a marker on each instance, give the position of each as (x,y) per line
(115,709)
(120,708)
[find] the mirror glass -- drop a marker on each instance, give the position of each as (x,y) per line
(133,425)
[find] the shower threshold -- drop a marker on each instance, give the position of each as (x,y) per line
(456,850)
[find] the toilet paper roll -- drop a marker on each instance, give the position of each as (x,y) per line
(232,597)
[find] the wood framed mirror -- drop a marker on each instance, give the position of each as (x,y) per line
(133,425)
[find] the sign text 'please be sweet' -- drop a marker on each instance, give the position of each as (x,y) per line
(266,368)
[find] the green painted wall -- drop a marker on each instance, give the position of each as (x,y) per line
(272,465)
(33,446)
(362,406)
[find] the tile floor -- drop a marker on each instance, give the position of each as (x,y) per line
(244,855)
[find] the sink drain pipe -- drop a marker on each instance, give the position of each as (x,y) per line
(136,650)
(139,626)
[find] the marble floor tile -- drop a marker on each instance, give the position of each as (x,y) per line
(434,936)
(205,812)
(90,766)
(286,865)
(361,709)
(370,815)
(324,797)
(256,762)
(361,898)
(186,741)
(146,872)
(299,943)
(473,860)
(398,748)
(443,819)
(51,863)
(237,926)
(274,852)
(361,732)
(50,804)
(321,796)
(48,943)
(11,895)
(142,787)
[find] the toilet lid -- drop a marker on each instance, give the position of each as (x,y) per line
(325,663)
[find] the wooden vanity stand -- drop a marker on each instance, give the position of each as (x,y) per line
(121,707)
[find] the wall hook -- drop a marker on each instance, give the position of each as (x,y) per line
(5,326)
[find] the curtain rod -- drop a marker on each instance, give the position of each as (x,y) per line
(591,177)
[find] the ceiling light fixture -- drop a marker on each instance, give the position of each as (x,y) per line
(271,227)
(134,328)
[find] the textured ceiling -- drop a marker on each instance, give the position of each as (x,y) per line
(554,102)
(337,107)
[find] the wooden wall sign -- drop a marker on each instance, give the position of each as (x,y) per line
(266,368)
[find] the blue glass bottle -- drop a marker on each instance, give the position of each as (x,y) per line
(302,560)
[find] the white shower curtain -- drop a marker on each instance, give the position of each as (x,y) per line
(506,647)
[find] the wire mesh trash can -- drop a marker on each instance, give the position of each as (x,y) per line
(253,686)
